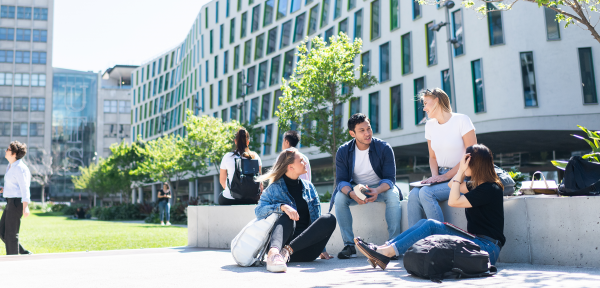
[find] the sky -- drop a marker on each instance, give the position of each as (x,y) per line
(96,35)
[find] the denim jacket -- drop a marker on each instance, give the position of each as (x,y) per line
(277,194)
(381,157)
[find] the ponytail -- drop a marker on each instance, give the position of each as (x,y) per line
(241,138)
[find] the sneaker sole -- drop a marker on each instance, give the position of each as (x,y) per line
(277,269)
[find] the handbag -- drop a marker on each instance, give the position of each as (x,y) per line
(539,187)
(249,246)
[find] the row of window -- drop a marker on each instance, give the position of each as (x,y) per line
(116,130)
(25,57)
(112,106)
(24,34)
(23,12)
(22,104)
(161,123)
(20,129)
(22,79)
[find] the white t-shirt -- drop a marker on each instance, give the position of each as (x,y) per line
(446,139)
(228,163)
(363,171)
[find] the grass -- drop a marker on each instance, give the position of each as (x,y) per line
(55,233)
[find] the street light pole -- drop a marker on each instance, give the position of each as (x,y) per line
(449,5)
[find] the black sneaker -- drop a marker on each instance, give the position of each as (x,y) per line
(348,252)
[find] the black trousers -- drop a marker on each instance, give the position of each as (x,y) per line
(307,244)
(10,223)
(227,201)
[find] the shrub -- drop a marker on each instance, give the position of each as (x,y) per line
(58,207)
(325,198)
(70,210)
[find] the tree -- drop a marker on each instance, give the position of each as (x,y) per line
(324,79)
(41,171)
(89,179)
(124,159)
(578,12)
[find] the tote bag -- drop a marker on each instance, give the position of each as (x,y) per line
(540,186)
(249,246)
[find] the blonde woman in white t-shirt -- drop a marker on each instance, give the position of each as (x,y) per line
(448,136)
(242,141)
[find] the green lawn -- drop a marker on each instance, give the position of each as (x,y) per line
(54,233)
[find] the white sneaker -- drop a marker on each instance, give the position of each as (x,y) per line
(162,224)
(275,263)
(168,223)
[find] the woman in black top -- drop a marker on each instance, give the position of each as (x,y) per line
(164,206)
(484,211)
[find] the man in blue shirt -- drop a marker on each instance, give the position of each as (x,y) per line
(368,161)
(16,192)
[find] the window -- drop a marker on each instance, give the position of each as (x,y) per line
(216,66)
(226,8)
(220,93)
(221,32)
(110,130)
(254,109)
(230,88)
(358,24)
(21,104)
(420,116)
(286,30)
(272,41)
(477,74)
(5,131)
(262,75)
(282,9)
(406,53)
(226,62)
(375,20)
(384,62)
(243,25)
(19,129)
(6,56)
(416,10)
(343,26)
(7,34)
(394,14)
(268,139)
(528,75)
(251,80)
(247,52)
(396,107)
(260,45)
(38,104)
(239,85)
(457,32)
(38,35)
(325,13)
(269,8)
(125,107)
(588,81)
(24,34)
(36,57)
(233,112)
(22,57)
(5,104)
(288,64)
(274,79)
(374,111)
(21,79)
(110,106)
(231,31)
(496,33)
(299,29)
(312,19)
(446,83)
(201,46)
(224,115)
(278,93)
(24,13)
(210,42)
(7,11)
(431,46)
(266,106)
(36,129)
(236,57)
(328,34)
(216,12)
(255,18)
(552,26)
(210,97)
(42,80)
(354,105)
(365,60)
(40,13)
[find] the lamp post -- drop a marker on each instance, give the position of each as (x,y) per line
(451,42)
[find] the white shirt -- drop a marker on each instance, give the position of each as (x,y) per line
(228,163)
(363,171)
(16,181)
(446,139)
(307,176)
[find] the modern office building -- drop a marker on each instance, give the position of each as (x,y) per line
(524,80)
(26,29)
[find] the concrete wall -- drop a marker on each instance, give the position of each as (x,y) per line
(539,229)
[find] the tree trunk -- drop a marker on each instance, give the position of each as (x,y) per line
(43,196)
(334,142)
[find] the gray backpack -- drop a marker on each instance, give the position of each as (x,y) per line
(507,181)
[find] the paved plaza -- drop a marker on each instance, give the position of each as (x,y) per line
(197,267)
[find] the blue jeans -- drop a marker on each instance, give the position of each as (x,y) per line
(164,207)
(429,227)
(423,201)
(393,213)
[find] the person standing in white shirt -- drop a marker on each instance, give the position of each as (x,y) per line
(448,136)
(16,192)
(290,140)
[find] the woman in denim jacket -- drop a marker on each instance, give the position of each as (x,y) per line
(301,233)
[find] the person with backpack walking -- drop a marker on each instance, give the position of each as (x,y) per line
(301,232)
(229,165)
(483,203)
(164,206)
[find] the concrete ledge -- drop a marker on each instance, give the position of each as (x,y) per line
(539,229)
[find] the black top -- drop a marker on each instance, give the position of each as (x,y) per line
(486,217)
(161,192)
(296,188)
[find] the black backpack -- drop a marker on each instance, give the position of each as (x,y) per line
(582,178)
(445,256)
(243,185)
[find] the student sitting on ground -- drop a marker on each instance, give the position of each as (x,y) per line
(301,233)
(484,211)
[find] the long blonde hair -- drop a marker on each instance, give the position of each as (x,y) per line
(287,157)
(443,99)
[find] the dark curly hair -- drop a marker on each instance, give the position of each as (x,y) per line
(18,148)
(357,119)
